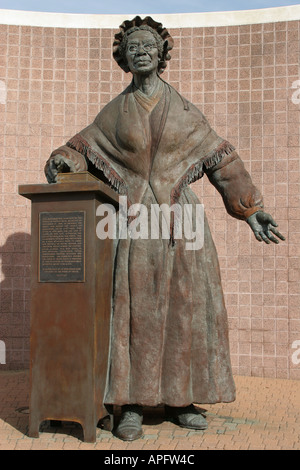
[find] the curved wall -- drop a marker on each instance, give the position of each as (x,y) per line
(242,70)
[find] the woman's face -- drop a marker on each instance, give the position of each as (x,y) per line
(142,53)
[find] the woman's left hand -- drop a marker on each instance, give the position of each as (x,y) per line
(264,227)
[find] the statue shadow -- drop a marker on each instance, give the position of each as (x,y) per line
(15,328)
(15,261)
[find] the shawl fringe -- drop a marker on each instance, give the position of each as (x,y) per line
(195,172)
(214,157)
(82,146)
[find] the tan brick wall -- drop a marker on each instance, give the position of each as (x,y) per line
(53,83)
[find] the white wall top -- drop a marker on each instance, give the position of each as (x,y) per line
(176,20)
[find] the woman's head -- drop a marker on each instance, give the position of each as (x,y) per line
(160,37)
(142,52)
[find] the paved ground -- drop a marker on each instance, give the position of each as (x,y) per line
(266,415)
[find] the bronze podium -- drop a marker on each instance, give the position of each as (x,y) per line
(71,288)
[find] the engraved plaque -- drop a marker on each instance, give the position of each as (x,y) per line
(62,246)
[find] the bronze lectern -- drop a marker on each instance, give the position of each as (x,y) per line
(71,286)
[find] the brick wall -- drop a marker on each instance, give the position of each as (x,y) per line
(53,82)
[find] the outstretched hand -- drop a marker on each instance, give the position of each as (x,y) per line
(264,227)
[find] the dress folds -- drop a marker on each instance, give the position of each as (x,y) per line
(169,341)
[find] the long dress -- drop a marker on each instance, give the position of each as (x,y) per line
(169,342)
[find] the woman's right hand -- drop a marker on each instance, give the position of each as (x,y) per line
(58,164)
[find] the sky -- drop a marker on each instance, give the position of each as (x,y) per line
(139,6)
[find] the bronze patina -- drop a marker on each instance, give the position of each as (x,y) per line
(169,322)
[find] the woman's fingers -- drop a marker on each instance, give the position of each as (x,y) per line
(272,221)
(264,228)
(257,236)
(267,235)
(277,233)
(264,237)
(52,171)
(271,237)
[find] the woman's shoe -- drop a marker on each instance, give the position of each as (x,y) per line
(130,425)
(187,417)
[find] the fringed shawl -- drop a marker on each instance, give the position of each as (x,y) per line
(181,147)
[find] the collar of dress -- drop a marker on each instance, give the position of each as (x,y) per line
(148,102)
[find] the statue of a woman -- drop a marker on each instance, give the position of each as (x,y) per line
(169,323)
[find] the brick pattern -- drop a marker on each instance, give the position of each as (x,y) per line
(257,420)
(241,77)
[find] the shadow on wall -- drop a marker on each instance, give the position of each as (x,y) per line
(15,302)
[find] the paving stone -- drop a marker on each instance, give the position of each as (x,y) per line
(265,416)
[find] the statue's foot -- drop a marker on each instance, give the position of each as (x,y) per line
(130,425)
(187,417)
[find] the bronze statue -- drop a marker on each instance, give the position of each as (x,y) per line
(169,322)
